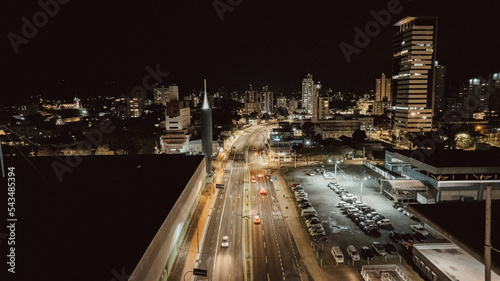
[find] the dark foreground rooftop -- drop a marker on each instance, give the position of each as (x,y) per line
(464,224)
(95,224)
(456,158)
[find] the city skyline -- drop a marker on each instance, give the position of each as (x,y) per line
(87,49)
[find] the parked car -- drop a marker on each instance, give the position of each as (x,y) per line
(356,215)
(370,229)
(396,205)
(348,196)
(296,187)
(351,210)
(316,227)
(407,237)
(391,249)
(304,205)
(313,231)
(311,221)
(359,219)
(353,253)
(378,218)
(300,192)
(332,184)
(367,253)
(419,237)
(396,237)
(301,197)
(341,204)
(419,228)
(302,200)
(337,254)
(368,210)
(384,222)
(318,236)
(379,248)
(412,216)
(367,223)
(372,214)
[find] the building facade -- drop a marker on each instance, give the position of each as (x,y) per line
(266,101)
(335,128)
(307,93)
(163,94)
(414,55)
(439,99)
(382,102)
(450,174)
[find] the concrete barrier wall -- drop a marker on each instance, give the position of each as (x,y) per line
(157,261)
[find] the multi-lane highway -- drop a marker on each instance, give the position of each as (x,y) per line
(275,255)
(264,251)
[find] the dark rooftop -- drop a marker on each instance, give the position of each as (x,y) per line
(455,158)
(465,223)
(98,221)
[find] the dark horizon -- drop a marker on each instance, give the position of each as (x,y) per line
(92,49)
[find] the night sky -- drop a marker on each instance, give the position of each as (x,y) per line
(96,48)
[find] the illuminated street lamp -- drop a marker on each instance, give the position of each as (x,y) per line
(361,189)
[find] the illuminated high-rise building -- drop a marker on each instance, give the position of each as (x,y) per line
(266,101)
(382,103)
(439,99)
(307,93)
(414,56)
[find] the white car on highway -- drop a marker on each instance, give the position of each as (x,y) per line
(225,242)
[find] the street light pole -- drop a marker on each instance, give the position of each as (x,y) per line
(361,193)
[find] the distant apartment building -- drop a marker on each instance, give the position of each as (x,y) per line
(439,99)
(293,104)
(164,94)
(495,96)
(414,56)
(252,101)
(321,105)
(177,122)
(479,92)
(382,102)
(281,102)
(307,93)
(135,106)
(266,100)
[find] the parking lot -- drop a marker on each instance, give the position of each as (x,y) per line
(342,231)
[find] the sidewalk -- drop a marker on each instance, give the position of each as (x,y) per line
(298,232)
(190,257)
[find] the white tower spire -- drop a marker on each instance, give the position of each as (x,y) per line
(205,99)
